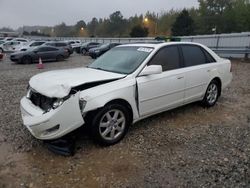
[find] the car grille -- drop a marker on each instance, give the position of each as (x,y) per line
(45,103)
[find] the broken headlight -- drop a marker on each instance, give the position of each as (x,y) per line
(82,104)
(57,103)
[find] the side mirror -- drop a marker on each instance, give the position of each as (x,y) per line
(151,69)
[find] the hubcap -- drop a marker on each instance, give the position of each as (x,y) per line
(212,93)
(112,124)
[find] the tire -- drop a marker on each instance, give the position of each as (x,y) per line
(93,56)
(69,52)
(1,50)
(212,94)
(59,58)
(84,51)
(26,60)
(110,124)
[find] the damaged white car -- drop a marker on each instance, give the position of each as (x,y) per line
(126,84)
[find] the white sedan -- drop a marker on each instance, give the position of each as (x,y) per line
(9,46)
(125,85)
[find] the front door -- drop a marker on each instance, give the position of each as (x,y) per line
(163,91)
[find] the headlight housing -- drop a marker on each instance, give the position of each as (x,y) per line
(82,104)
(57,103)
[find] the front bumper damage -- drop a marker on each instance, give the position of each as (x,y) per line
(55,123)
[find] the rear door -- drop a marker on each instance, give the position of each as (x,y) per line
(198,70)
(162,91)
(47,53)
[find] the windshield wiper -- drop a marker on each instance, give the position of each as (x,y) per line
(98,68)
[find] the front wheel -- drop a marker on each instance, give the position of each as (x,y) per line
(110,124)
(212,94)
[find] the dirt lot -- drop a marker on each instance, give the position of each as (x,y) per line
(187,147)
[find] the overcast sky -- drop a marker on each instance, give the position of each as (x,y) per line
(16,13)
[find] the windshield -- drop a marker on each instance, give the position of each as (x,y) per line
(123,60)
(35,48)
(104,46)
(33,44)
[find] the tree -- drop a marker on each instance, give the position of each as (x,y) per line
(63,30)
(6,29)
(212,14)
(92,27)
(117,24)
(183,25)
(80,24)
(166,20)
(139,31)
(241,15)
(79,29)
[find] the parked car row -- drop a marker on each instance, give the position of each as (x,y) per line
(25,51)
(93,49)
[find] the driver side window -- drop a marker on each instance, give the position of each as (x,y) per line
(168,57)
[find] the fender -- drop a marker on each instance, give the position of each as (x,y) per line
(99,96)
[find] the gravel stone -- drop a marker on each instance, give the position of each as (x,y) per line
(190,146)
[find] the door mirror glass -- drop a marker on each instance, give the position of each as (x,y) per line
(151,69)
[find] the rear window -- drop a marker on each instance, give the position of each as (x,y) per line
(36,44)
(209,58)
(21,40)
(193,55)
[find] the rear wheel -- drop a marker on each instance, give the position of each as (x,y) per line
(110,124)
(212,94)
(26,60)
(68,52)
(59,58)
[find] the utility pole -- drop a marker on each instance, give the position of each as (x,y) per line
(156,24)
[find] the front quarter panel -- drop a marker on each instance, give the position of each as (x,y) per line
(99,96)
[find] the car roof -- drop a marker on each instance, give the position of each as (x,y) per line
(158,45)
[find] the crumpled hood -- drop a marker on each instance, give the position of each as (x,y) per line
(59,83)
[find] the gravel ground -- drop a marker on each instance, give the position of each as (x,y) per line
(187,147)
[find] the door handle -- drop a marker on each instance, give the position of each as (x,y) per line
(180,77)
(209,70)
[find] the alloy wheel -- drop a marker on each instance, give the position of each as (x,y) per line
(212,93)
(112,124)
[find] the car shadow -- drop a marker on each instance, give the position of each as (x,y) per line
(80,138)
